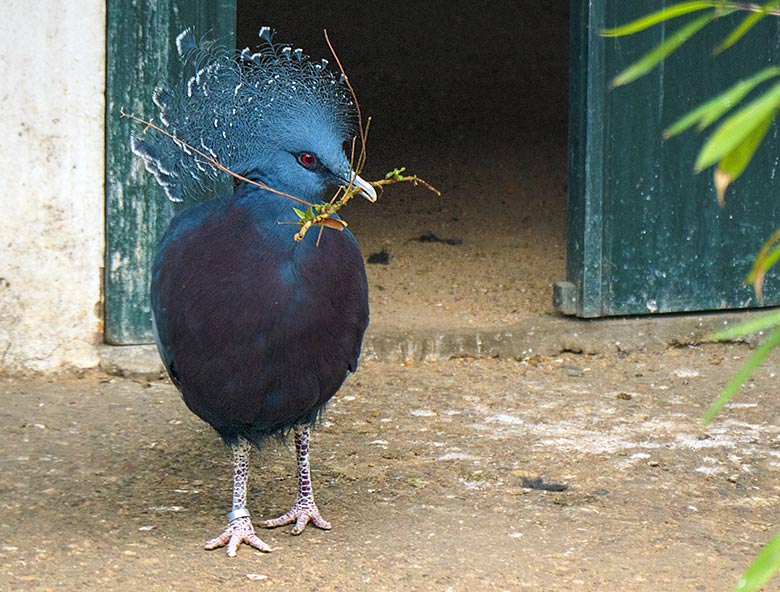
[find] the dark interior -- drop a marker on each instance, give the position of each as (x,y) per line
(473,98)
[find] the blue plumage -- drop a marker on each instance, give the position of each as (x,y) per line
(256,330)
(238,109)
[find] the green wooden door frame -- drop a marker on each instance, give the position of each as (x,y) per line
(140,52)
(645,234)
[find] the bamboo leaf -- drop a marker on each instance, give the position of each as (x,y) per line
(762,323)
(716,107)
(750,84)
(748,23)
(764,262)
(734,163)
(750,365)
(659,16)
(738,127)
(762,268)
(722,180)
(764,566)
(651,59)
(766,258)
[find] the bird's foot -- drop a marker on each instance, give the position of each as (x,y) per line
(240,530)
(302,512)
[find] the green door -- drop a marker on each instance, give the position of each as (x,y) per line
(140,53)
(645,234)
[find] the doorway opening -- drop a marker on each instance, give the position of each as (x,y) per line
(474,99)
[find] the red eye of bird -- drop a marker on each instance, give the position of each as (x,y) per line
(308,160)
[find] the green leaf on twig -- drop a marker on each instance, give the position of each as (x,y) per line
(748,23)
(662,51)
(705,114)
(659,16)
(396,173)
(738,127)
(754,361)
(764,566)
(762,323)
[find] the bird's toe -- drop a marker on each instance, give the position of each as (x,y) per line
(300,514)
(239,531)
(254,541)
(320,522)
(286,518)
(300,523)
(219,541)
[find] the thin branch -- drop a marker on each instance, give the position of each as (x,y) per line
(362,157)
(325,211)
(407,179)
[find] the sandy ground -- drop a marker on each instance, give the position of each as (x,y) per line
(429,473)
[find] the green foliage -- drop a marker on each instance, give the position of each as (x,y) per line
(707,113)
(736,160)
(765,565)
(736,140)
(748,23)
(662,51)
(731,147)
(767,258)
(754,361)
(739,127)
(748,328)
(660,16)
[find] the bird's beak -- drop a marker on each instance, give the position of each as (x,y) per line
(364,188)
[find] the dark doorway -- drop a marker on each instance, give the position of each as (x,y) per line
(473,98)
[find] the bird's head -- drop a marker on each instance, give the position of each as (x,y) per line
(274,116)
(307,155)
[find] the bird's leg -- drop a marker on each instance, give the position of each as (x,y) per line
(304,509)
(240,529)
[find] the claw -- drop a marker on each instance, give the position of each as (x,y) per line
(239,531)
(302,512)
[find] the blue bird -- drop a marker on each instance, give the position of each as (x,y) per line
(256,330)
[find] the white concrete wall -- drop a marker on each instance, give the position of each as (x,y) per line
(52,80)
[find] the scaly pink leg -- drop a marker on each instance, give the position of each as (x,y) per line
(304,509)
(240,529)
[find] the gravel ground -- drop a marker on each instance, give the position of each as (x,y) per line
(567,473)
